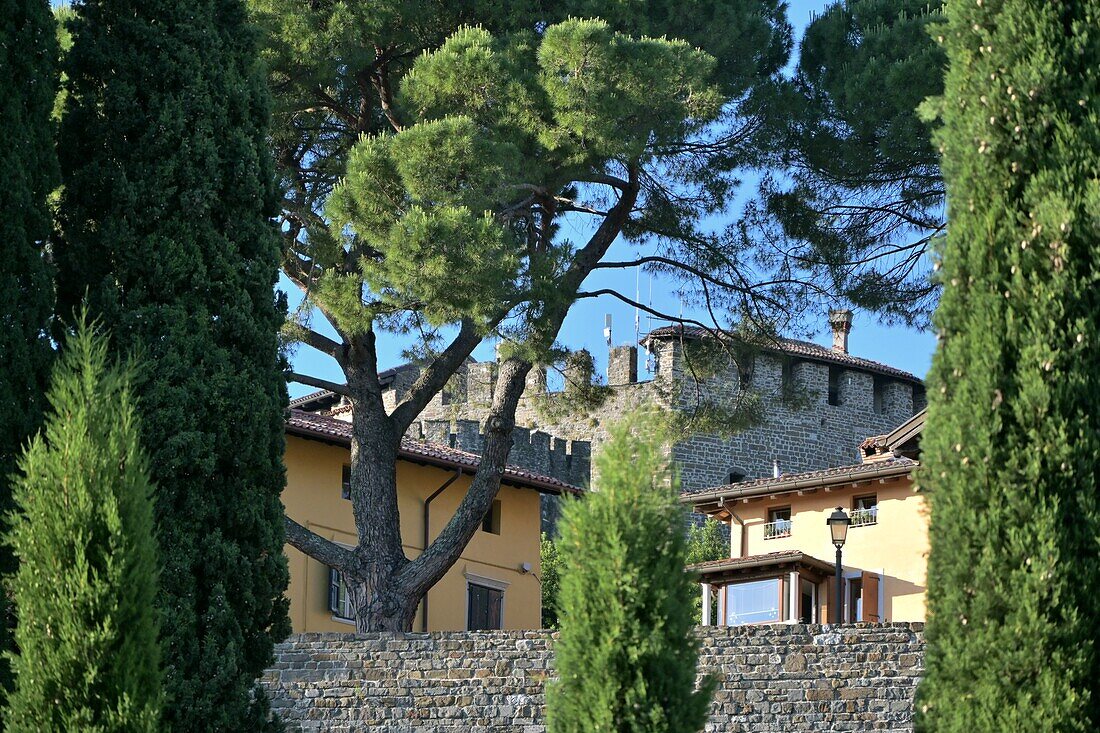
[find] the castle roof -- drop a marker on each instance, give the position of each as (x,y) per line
(792,347)
(331,430)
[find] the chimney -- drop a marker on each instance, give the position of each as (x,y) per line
(841,321)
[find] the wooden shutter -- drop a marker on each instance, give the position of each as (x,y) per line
(333,590)
(870,598)
(827,598)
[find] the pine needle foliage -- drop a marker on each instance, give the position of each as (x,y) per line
(1012,446)
(86,583)
(627,657)
(28,166)
(166,219)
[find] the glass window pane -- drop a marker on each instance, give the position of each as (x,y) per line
(752,603)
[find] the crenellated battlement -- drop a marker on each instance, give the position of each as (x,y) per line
(532,449)
(817,404)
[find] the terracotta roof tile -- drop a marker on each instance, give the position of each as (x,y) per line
(805,349)
(313,425)
(791,481)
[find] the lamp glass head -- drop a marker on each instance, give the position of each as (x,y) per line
(838,523)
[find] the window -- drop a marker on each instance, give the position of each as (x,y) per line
(779,523)
(491,521)
(834,385)
(807,601)
(755,602)
(920,399)
(864,510)
(485,608)
(854,611)
(736,476)
(339,602)
(746,364)
(345,484)
(880,394)
(788,384)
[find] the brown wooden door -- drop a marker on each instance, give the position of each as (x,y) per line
(871,611)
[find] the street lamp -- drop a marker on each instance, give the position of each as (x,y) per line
(838,523)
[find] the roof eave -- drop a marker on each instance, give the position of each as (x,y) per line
(700,500)
(439,462)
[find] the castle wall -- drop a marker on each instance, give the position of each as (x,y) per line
(798,428)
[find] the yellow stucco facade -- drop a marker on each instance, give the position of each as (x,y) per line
(781,567)
(313,498)
(894,547)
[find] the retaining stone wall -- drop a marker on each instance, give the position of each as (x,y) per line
(771,678)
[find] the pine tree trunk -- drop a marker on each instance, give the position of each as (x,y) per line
(380,605)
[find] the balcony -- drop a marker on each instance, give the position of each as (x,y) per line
(778,528)
(863,517)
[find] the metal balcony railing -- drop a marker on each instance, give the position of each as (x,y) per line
(776,529)
(861,517)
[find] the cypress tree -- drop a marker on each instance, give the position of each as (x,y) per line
(166,226)
(1012,446)
(86,584)
(626,657)
(28,167)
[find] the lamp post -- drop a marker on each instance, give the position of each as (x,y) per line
(838,523)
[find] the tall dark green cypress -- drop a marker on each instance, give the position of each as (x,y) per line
(28,167)
(1012,445)
(166,226)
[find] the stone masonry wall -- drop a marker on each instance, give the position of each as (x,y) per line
(801,434)
(771,679)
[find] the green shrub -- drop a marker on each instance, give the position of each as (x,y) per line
(86,583)
(626,657)
(706,542)
(550,563)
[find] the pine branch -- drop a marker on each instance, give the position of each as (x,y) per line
(317,547)
(340,389)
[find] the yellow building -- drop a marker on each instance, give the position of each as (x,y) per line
(495,584)
(781,567)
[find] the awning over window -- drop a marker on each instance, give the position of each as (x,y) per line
(770,565)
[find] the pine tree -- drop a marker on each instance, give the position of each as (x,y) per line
(856,198)
(1012,445)
(166,225)
(28,166)
(447,145)
(626,657)
(86,584)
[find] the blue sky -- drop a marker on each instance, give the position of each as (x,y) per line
(898,346)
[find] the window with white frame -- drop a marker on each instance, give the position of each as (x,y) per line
(754,602)
(779,523)
(864,510)
(339,601)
